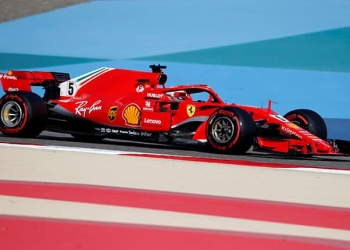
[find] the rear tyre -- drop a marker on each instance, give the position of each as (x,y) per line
(22,114)
(231,130)
(308,120)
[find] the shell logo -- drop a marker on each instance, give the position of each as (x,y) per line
(132,115)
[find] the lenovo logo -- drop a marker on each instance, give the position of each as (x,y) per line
(151,121)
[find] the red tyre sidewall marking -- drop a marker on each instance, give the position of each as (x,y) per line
(24,116)
(238,131)
(297,116)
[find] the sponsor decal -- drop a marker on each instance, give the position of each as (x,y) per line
(291,117)
(12,89)
(7,77)
(126,132)
(84,108)
(305,132)
(123,132)
(293,125)
(227,113)
(132,115)
(112,113)
(146,134)
(108,130)
(152,121)
(191,109)
(154,95)
(14,96)
(148,106)
(134,133)
(290,132)
(279,117)
(140,88)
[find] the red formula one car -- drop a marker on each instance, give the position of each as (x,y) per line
(129,104)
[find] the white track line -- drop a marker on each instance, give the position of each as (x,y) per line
(320,170)
(119,152)
(28,164)
(68,149)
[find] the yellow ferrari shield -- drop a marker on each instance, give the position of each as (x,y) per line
(191,109)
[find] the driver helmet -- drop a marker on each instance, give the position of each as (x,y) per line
(180,94)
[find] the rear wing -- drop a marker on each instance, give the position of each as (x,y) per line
(15,80)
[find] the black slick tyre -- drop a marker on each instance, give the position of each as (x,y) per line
(231,130)
(22,114)
(308,120)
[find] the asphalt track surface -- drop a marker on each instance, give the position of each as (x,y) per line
(13,9)
(58,139)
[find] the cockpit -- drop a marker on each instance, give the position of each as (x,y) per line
(192,95)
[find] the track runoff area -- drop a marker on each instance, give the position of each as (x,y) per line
(54,197)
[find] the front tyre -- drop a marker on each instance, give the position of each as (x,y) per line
(22,114)
(231,130)
(308,120)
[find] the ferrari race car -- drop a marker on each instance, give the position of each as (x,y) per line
(137,105)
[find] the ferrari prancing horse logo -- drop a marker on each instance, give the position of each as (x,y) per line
(191,109)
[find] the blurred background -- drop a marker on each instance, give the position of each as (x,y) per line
(296,53)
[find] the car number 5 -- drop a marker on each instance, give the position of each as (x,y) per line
(71,88)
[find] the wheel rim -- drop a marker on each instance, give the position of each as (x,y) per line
(11,114)
(223,129)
